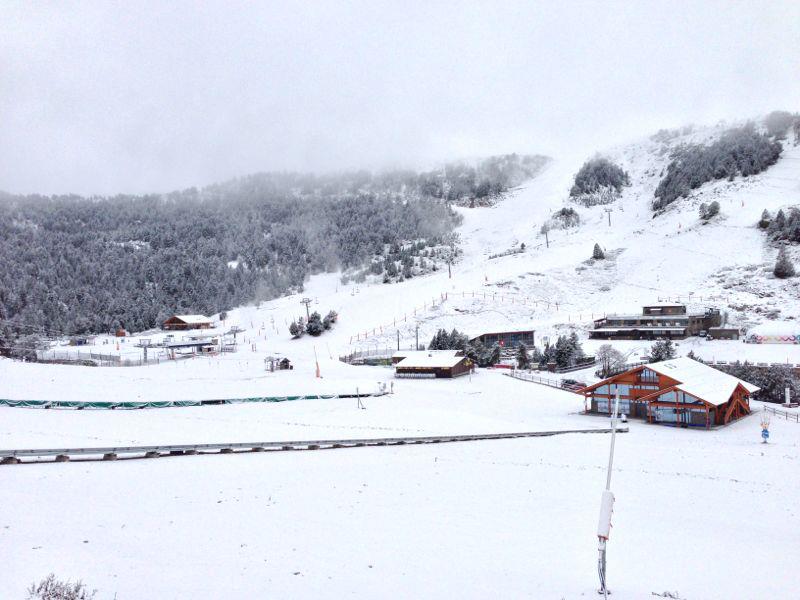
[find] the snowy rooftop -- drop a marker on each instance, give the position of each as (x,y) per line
(651,328)
(700,380)
(431,358)
(193,318)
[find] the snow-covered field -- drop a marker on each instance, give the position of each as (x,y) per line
(702,514)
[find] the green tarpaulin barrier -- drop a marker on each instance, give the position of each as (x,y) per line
(78,405)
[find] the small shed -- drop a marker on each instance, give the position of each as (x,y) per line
(723,333)
(186,322)
(432,364)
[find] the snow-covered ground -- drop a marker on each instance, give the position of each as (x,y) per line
(704,514)
(511,518)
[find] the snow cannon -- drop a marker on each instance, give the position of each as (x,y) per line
(606,510)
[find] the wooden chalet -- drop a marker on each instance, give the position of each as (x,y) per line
(403,354)
(433,364)
(681,392)
(186,322)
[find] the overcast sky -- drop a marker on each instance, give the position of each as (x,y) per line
(105,97)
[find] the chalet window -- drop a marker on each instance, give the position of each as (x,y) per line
(607,406)
(648,375)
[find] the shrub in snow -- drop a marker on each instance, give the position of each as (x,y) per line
(662,350)
(330,319)
(783,266)
(596,174)
(563,219)
(51,588)
(598,253)
(707,211)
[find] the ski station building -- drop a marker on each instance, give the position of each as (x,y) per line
(681,392)
(424,364)
(186,322)
(663,320)
(507,339)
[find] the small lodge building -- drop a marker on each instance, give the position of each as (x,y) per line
(507,339)
(424,364)
(663,320)
(723,333)
(681,392)
(186,322)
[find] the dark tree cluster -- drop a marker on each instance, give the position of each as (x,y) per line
(773,379)
(481,355)
(71,265)
(564,219)
(566,352)
(783,227)
(477,185)
(742,151)
(599,174)
(708,211)
(315,326)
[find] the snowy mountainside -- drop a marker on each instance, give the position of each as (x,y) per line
(673,254)
(496,284)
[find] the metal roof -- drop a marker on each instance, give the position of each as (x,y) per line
(700,380)
(193,319)
(431,359)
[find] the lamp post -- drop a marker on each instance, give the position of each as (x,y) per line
(606,507)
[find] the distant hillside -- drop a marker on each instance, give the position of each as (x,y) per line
(75,265)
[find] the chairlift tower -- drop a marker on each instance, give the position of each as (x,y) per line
(306,301)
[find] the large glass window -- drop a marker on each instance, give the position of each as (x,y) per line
(648,375)
(605,405)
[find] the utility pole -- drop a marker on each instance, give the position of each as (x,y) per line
(398,340)
(417,338)
(606,507)
(306,301)
(608,210)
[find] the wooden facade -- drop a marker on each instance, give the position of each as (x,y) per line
(186,322)
(646,392)
(461,365)
(507,339)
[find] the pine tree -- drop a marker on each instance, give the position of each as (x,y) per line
(598,253)
(662,350)
(295,330)
(783,266)
(766,218)
(314,326)
(523,360)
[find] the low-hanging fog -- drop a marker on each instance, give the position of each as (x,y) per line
(136,97)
